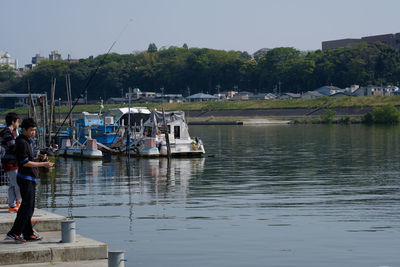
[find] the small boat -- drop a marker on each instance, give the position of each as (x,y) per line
(172,123)
(77,150)
(106,128)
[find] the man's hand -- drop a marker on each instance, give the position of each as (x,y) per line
(48,164)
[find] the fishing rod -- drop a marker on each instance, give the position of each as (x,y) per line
(90,79)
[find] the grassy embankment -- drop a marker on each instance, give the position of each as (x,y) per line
(324,102)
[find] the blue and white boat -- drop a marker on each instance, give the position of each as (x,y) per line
(107,128)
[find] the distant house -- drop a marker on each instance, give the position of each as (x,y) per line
(371,90)
(363,91)
(229,94)
(352,88)
(201,97)
(312,94)
(242,96)
(385,90)
(290,96)
(137,93)
(340,94)
(328,90)
(221,96)
(263,96)
(170,98)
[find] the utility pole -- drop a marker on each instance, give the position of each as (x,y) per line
(279,87)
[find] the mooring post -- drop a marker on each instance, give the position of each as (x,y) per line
(116,258)
(68,231)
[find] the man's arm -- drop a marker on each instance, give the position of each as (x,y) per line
(9,142)
(23,159)
(33,164)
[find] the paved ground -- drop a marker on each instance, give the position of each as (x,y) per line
(49,251)
(45,221)
(94,263)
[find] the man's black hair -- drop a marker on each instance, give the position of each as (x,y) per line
(11,117)
(28,123)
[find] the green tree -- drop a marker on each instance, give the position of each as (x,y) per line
(387,114)
(6,73)
(152,48)
(328,116)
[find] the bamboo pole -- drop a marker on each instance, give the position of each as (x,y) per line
(52,107)
(43,122)
(166,135)
(47,121)
(70,100)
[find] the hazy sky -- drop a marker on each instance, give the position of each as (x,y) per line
(89,27)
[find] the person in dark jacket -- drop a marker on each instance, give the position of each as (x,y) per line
(27,178)
(9,162)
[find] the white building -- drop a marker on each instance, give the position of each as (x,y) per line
(6,59)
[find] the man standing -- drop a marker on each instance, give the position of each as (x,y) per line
(27,178)
(9,162)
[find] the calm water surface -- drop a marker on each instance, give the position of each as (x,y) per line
(289,195)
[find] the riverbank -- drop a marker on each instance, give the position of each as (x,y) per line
(273,106)
(320,110)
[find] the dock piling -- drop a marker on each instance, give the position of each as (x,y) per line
(68,231)
(116,258)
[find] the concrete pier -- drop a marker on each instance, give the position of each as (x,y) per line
(264,121)
(49,251)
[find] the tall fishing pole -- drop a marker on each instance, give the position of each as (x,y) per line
(91,78)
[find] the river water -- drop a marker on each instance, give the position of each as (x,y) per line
(283,195)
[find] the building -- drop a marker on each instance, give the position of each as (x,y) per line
(372,90)
(328,90)
(340,94)
(55,55)
(137,93)
(263,96)
(392,40)
(312,94)
(201,97)
(290,96)
(6,59)
(169,98)
(230,94)
(244,95)
(36,59)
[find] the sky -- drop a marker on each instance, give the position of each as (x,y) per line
(84,28)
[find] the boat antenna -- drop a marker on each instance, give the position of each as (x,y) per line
(91,78)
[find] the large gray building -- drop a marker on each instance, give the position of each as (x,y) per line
(392,40)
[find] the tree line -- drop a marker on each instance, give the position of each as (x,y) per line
(184,70)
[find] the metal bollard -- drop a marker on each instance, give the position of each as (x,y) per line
(68,231)
(116,258)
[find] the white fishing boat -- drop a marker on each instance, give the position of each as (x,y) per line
(169,129)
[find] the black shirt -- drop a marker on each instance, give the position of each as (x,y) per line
(8,142)
(24,153)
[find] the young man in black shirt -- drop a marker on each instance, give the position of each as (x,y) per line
(27,178)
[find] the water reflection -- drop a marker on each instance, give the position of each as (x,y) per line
(73,179)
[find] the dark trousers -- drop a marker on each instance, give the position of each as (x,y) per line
(23,224)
